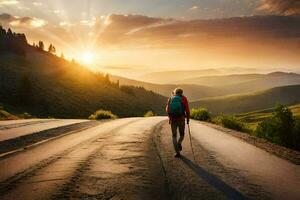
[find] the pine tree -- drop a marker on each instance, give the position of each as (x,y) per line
(41,45)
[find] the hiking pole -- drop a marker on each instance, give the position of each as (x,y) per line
(191,143)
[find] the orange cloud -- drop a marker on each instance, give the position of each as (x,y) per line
(16,21)
(282,7)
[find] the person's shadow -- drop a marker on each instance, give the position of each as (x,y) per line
(217,183)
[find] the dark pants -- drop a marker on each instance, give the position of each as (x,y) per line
(178,124)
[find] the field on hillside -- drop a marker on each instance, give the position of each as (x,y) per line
(252,119)
(248,102)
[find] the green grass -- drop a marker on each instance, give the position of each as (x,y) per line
(149,114)
(252,119)
(4,115)
(201,114)
(243,103)
(103,114)
(231,122)
(61,89)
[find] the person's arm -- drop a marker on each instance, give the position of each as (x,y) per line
(168,109)
(186,109)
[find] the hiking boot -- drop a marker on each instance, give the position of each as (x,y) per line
(179,147)
(177,155)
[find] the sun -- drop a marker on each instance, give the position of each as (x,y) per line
(87,58)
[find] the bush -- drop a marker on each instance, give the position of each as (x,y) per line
(281,128)
(230,122)
(296,135)
(25,115)
(201,114)
(149,114)
(103,114)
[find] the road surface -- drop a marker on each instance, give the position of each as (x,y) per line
(132,158)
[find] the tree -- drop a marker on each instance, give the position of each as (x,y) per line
(279,128)
(51,49)
(41,45)
(9,33)
(106,78)
(25,90)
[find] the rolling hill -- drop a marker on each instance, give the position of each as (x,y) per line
(42,84)
(255,117)
(166,77)
(240,83)
(193,92)
(247,102)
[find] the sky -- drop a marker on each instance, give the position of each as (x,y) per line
(130,37)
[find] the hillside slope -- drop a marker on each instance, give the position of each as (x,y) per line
(193,92)
(45,85)
(238,83)
(166,77)
(255,117)
(251,101)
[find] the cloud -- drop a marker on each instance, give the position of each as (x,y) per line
(37,3)
(194,8)
(8,2)
(282,7)
(16,21)
(137,30)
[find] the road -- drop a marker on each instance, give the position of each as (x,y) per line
(132,158)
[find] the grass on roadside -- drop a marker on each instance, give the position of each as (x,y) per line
(103,114)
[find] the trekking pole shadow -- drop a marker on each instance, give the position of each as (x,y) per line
(227,190)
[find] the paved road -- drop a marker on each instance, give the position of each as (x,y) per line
(132,158)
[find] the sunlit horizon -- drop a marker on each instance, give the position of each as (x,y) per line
(139,38)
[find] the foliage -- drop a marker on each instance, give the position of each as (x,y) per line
(44,84)
(12,42)
(201,114)
(149,114)
(127,89)
(282,128)
(24,92)
(230,122)
(25,115)
(4,115)
(41,45)
(102,114)
(51,49)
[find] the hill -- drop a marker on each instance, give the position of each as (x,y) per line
(240,83)
(251,101)
(166,77)
(193,92)
(42,84)
(255,117)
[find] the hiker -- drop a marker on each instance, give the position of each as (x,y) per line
(178,109)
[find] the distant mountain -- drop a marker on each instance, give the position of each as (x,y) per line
(167,77)
(239,83)
(221,80)
(267,81)
(247,102)
(193,92)
(42,84)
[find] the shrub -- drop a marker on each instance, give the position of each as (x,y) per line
(149,114)
(25,115)
(103,114)
(281,128)
(230,122)
(296,135)
(201,114)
